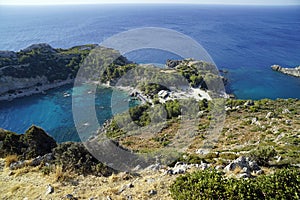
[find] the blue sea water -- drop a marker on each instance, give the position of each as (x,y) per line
(245,40)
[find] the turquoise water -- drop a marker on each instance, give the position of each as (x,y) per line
(53,111)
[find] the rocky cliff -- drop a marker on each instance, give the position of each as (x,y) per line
(289,71)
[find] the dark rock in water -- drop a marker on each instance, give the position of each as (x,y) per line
(173,63)
(35,142)
(289,71)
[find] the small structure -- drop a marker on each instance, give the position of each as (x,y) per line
(163,94)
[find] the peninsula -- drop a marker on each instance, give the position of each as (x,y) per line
(289,71)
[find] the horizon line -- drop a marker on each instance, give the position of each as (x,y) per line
(146,3)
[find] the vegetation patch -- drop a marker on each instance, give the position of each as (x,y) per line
(283,184)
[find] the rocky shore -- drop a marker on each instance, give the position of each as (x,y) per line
(33,90)
(289,71)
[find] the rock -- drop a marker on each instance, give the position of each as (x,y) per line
(259,172)
(253,166)
(288,122)
(249,103)
(130,185)
(279,137)
(154,167)
(122,189)
(289,71)
(203,166)
(172,63)
(270,115)
(179,168)
(244,175)
(276,67)
(45,159)
(286,111)
(150,180)
(152,192)
(202,151)
(129,197)
(255,121)
(244,163)
(71,197)
(219,167)
(49,189)
(279,159)
(230,167)
(17,165)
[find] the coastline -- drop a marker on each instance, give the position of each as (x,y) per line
(34,90)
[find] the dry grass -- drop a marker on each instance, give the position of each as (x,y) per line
(60,175)
(10,159)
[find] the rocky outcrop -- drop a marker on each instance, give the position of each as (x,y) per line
(245,165)
(289,71)
(34,142)
(173,63)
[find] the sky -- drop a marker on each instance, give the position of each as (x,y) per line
(229,2)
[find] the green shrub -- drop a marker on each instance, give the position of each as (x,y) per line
(74,157)
(284,184)
(263,155)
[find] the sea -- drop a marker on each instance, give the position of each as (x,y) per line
(243,40)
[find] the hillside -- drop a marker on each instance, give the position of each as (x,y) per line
(265,132)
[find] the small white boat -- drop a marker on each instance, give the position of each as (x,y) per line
(66,94)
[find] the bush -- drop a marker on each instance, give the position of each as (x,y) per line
(74,157)
(263,155)
(10,159)
(284,184)
(35,142)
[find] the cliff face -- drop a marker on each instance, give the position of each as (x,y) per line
(289,71)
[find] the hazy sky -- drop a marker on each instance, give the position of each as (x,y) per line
(239,2)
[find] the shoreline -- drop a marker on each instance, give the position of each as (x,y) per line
(195,93)
(34,90)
